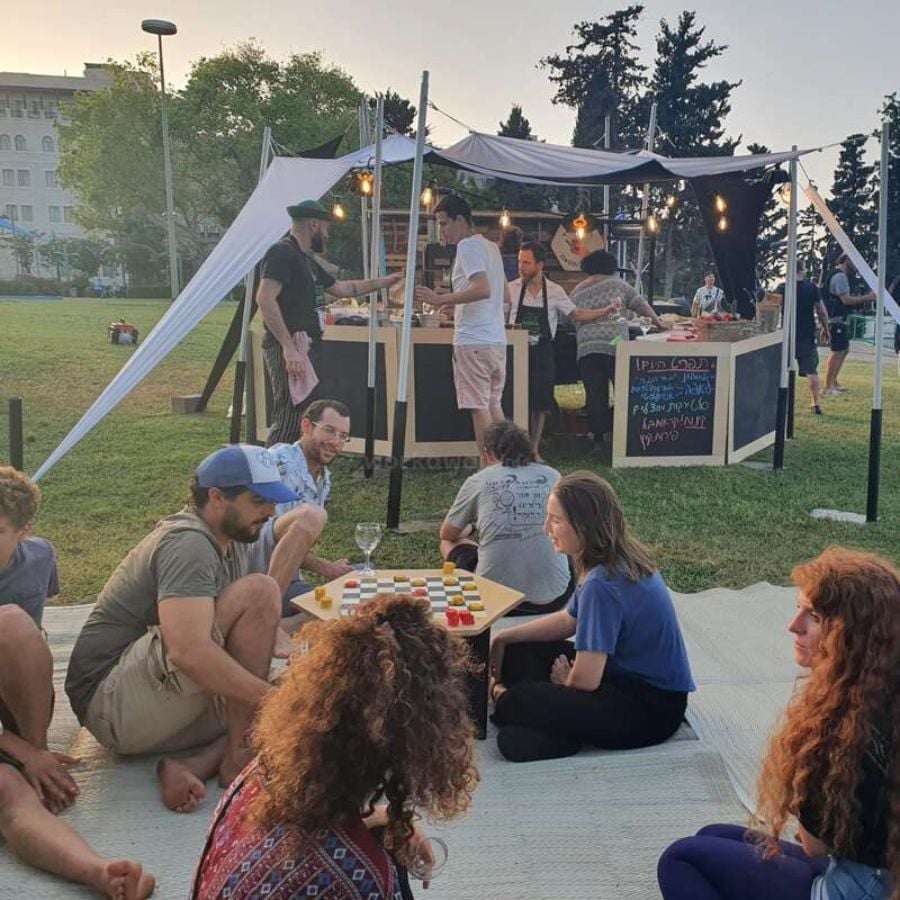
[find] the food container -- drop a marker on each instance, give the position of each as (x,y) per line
(711,331)
(430,320)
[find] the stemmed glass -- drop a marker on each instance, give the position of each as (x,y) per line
(646,324)
(368,535)
(430,857)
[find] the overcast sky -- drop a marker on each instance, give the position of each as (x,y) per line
(812,72)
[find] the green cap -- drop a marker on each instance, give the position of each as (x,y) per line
(310,209)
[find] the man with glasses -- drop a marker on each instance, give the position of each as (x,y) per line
(303,467)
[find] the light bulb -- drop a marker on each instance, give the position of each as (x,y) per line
(365,183)
(504,219)
(671,200)
(338,211)
(720,203)
(652,224)
(427,196)
(723,224)
(579,233)
(784,193)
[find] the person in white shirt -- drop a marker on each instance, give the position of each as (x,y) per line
(708,299)
(537,305)
(479,337)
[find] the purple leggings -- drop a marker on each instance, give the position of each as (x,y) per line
(718,864)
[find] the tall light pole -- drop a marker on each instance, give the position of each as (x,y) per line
(161,27)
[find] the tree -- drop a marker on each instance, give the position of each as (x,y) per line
(516,125)
(891,111)
(21,246)
(852,195)
(771,245)
(599,75)
(399,113)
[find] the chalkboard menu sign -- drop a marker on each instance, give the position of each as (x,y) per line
(757,375)
(671,406)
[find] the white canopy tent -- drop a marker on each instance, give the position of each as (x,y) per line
(263,220)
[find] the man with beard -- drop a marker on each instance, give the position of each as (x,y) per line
(290,280)
(177,650)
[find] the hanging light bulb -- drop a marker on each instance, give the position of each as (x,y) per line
(427,196)
(784,193)
(580,224)
(720,203)
(723,223)
(652,224)
(338,211)
(671,200)
(505,219)
(366,183)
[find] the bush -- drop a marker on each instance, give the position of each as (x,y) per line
(30,285)
(148,291)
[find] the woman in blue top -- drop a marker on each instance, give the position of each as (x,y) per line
(624,681)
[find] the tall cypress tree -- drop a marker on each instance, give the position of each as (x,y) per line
(852,191)
(599,75)
(516,126)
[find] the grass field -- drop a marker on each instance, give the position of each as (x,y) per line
(708,526)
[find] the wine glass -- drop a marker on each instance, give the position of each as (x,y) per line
(368,534)
(646,324)
(430,857)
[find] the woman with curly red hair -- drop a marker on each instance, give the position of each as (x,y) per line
(368,727)
(833,764)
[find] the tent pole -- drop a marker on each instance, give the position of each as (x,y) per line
(375,263)
(645,207)
(243,375)
(787,319)
(607,138)
(364,141)
(398,447)
(875,424)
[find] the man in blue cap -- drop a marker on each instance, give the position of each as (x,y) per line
(176,652)
(290,280)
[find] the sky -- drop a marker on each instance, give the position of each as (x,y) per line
(812,71)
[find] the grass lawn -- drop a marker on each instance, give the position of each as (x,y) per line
(707,526)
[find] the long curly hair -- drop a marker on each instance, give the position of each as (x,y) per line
(853,688)
(595,513)
(375,710)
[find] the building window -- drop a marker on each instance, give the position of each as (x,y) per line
(51,110)
(4,142)
(21,144)
(47,145)
(27,213)
(50,179)
(54,214)
(4,107)
(18,109)
(9,178)
(34,109)
(11,212)
(24,178)
(69,214)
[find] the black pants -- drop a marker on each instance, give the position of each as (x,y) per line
(598,372)
(540,720)
(285,417)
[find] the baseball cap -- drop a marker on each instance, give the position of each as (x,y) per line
(243,465)
(310,209)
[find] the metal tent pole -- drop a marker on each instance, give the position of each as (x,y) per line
(398,446)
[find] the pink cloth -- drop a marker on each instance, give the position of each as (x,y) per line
(302,385)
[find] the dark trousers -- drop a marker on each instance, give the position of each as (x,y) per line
(540,720)
(718,863)
(598,372)
(285,417)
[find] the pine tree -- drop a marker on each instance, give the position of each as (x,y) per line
(852,192)
(599,75)
(516,126)
(891,110)
(771,245)
(399,113)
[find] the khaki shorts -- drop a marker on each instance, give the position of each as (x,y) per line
(144,705)
(479,373)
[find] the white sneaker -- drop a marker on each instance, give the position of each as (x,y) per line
(831,392)
(841,389)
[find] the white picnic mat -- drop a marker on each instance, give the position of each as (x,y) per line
(586,828)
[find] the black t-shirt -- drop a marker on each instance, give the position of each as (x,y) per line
(872,793)
(298,275)
(808,297)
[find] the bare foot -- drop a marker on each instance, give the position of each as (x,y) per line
(125,880)
(283,647)
(181,789)
(232,766)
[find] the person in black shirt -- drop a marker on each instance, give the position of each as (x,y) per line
(290,278)
(809,307)
(833,764)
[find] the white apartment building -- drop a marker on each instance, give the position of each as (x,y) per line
(30,194)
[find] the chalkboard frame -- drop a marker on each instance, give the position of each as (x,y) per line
(741,348)
(624,354)
(517,340)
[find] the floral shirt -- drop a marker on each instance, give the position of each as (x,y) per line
(294,471)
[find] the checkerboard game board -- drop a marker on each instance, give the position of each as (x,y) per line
(362,589)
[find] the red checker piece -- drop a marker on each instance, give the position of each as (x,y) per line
(466,618)
(351,584)
(420,592)
(452,617)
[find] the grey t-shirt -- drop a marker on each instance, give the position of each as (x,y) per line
(837,287)
(30,577)
(508,507)
(598,337)
(179,558)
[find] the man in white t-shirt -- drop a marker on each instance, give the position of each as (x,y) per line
(537,304)
(708,299)
(479,337)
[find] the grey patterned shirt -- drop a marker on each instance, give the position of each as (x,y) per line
(598,337)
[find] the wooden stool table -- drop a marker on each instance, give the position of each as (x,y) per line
(497,599)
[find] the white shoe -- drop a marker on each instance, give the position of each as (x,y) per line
(831,392)
(841,389)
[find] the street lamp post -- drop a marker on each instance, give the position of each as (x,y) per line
(161,27)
